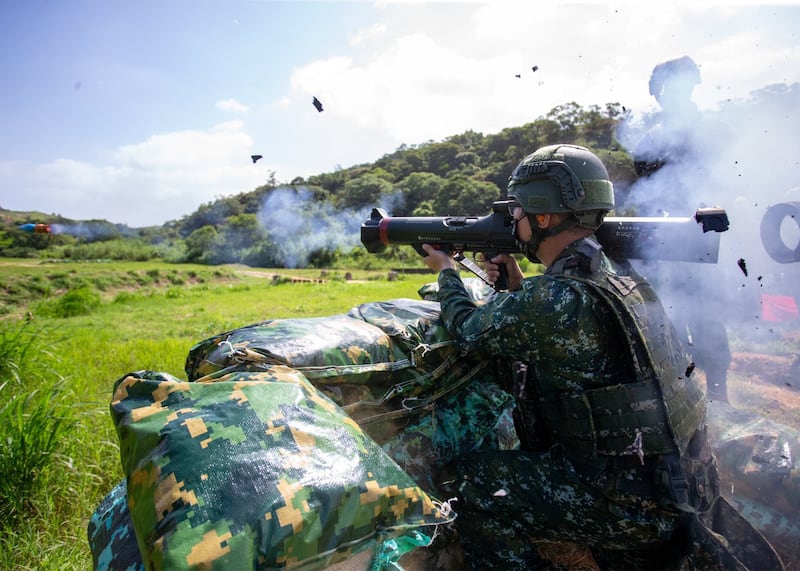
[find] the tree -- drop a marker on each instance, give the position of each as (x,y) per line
(211,213)
(425,208)
(468,140)
(463,195)
(598,128)
(200,242)
(240,232)
(417,188)
(406,163)
(441,157)
(568,117)
(333,182)
(364,190)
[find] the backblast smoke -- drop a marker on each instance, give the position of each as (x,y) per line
(742,157)
(299,225)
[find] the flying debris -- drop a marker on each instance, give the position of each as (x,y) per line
(35,228)
(255,158)
(534,68)
(318,104)
(742,265)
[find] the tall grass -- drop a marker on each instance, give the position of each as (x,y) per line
(58,367)
(35,415)
(20,345)
(32,426)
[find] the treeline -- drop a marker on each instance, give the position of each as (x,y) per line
(462,174)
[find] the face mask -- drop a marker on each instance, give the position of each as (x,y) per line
(530,247)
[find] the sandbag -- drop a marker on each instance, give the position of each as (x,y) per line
(361,346)
(380,361)
(112,539)
(757,459)
(255,470)
(390,366)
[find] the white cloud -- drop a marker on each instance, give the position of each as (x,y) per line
(232,106)
(415,89)
(364,35)
(456,72)
(162,178)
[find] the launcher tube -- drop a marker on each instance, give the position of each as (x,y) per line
(689,239)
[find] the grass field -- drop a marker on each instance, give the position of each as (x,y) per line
(69,331)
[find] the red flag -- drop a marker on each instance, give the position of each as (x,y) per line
(778,308)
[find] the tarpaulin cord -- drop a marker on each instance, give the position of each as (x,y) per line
(404,387)
(233,351)
(424,404)
(410,405)
(245,355)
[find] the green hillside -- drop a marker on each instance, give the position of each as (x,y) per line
(314,222)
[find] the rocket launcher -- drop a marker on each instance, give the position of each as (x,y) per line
(678,239)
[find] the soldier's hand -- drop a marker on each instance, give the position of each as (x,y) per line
(437,260)
(515,275)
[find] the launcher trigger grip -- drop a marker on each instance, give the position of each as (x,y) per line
(501,283)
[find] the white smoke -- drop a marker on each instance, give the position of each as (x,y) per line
(744,157)
(298,225)
(92,231)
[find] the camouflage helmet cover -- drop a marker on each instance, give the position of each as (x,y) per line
(562,178)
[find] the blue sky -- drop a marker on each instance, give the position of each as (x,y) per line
(138,112)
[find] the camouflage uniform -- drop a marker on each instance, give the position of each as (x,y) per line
(613,452)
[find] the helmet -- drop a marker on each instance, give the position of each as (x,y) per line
(563,178)
(680,70)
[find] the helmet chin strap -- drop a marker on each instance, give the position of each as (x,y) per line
(529,248)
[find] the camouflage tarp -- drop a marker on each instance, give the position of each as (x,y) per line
(215,466)
(759,471)
(112,539)
(255,470)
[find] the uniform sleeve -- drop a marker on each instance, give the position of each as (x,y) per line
(504,326)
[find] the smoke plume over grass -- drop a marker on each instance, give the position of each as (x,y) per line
(300,226)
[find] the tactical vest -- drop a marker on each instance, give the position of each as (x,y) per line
(658,413)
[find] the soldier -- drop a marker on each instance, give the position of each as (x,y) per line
(671,158)
(614,452)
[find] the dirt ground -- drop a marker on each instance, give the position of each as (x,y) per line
(767,384)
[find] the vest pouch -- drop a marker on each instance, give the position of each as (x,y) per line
(525,425)
(690,484)
(672,486)
(700,467)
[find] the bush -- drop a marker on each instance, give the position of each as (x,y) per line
(79,301)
